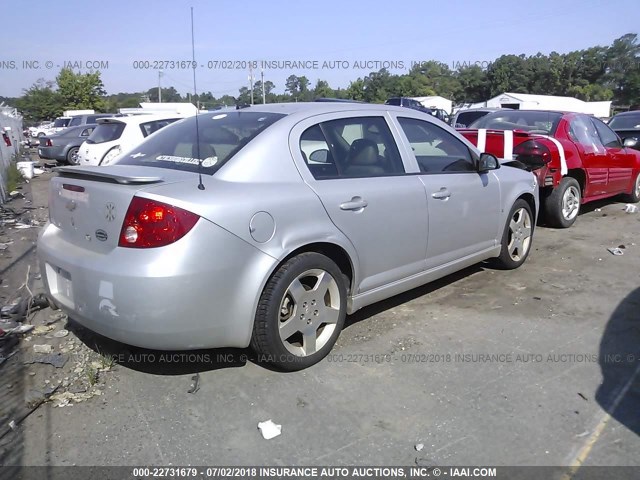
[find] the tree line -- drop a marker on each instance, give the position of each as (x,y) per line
(596,73)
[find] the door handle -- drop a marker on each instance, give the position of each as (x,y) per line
(356,203)
(442,194)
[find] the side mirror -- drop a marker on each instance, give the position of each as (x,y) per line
(630,142)
(487,162)
(319,156)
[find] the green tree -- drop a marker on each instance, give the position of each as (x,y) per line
(322,90)
(474,84)
(169,94)
(509,73)
(40,102)
(81,91)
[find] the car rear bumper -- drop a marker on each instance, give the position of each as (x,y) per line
(201,294)
(51,153)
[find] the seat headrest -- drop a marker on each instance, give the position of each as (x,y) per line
(363,152)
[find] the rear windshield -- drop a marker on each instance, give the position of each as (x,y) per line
(467,118)
(61,122)
(106,132)
(625,122)
(528,120)
(219,137)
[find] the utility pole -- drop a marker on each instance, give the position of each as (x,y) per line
(262,81)
(251,83)
(159,89)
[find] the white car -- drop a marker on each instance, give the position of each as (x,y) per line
(116,135)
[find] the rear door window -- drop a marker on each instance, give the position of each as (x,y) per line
(106,132)
(151,127)
(584,132)
(351,147)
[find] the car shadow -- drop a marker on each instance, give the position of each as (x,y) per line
(389,303)
(619,358)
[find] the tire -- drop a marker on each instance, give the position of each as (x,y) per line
(562,206)
(517,236)
(634,196)
(289,305)
(72,156)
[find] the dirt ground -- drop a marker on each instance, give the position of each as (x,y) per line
(537,366)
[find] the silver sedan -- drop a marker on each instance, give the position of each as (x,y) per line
(266,226)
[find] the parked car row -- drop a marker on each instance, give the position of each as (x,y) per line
(267,225)
(98,139)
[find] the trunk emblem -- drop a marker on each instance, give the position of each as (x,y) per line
(101,235)
(71,205)
(110,212)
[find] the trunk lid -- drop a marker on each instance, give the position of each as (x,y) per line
(88,204)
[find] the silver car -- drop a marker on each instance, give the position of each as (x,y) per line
(266,226)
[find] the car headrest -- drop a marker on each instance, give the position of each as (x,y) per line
(363,152)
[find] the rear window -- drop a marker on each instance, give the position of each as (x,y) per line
(151,127)
(527,120)
(625,122)
(467,118)
(61,122)
(106,132)
(218,138)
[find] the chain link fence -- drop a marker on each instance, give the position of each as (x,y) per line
(11,136)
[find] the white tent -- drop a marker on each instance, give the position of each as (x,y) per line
(526,101)
(435,102)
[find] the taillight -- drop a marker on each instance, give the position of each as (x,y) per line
(49,143)
(7,140)
(532,153)
(150,224)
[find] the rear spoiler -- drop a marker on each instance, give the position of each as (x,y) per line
(111,174)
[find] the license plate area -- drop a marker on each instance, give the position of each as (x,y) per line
(60,284)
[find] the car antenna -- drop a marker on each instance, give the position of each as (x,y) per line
(195,93)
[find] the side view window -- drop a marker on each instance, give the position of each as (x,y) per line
(436,150)
(583,131)
(608,136)
(86,132)
(351,147)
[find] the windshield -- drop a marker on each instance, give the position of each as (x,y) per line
(61,122)
(528,120)
(106,132)
(625,122)
(75,121)
(220,136)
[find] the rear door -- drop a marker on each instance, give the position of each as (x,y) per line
(620,162)
(352,162)
(464,205)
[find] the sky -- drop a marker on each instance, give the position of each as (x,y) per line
(334,40)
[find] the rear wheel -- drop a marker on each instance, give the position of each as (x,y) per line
(563,204)
(517,236)
(634,196)
(300,313)
(72,156)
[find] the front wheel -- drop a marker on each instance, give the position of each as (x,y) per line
(517,236)
(563,204)
(300,313)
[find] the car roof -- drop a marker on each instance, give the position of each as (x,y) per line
(138,119)
(627,114)
(318,108)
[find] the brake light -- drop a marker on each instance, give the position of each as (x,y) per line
(150,224)
(532,153)
(7,140)
(49,143)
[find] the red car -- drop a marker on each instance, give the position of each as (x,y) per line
(576,158)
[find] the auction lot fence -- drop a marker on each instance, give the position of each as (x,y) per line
(11,128)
